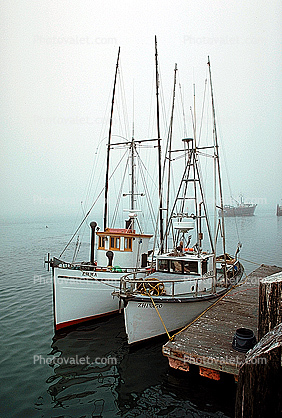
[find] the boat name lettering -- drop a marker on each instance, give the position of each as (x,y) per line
(149,305)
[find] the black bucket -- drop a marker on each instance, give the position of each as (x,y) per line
(243,340)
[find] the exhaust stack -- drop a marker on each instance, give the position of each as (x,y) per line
(93,229)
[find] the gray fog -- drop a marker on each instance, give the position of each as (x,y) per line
(57,69)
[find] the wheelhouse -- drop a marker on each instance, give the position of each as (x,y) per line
(128,248)
(192,264)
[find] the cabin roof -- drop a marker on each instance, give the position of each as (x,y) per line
(185,257)
(120,232)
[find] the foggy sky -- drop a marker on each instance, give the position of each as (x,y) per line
(58,62)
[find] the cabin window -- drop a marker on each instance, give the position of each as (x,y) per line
(193,266)
(127,244)
(190,267)
(114,243)
(176,266)
(186,267)
(163,265)
(101,244)
(204,266)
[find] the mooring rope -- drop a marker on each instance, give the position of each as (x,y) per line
(209,307)
(162,321)
(199,316)
(249,261)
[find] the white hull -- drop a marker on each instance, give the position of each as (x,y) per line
(78,298)
(82,291)
(143,322)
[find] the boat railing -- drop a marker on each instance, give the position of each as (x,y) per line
(129,285)
(95,268)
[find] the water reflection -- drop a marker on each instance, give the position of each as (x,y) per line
(115,380)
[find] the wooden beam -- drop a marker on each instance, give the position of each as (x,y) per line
(211,374)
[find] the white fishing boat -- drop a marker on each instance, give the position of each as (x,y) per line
(82,291)
(187,278)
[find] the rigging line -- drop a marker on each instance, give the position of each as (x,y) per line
(150,205)
(193,120)
(150,120)
(186,170)
(92,206)
(249,261)
(145,168)
(123,101)
(95,162)
(108,147)
(229,188)
(202,115)
(200,176)
(90,182)
(147,193)
(162,99)
(120,190)
(183,112)
(179,157)
(121,110)
(79,241)
(203,104)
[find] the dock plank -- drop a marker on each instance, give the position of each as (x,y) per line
(207,342)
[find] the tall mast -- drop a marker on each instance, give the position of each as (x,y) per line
(216,156)
(132,172)
(108,148)
(195,165)
(132,160)
(169,154)
(159,149)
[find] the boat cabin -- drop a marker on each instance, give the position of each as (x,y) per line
(122,247)
(193,264)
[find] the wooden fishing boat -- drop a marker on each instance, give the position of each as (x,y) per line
(186,279)
(82,291)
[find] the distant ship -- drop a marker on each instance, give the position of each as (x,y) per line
(279,210)
(241,209)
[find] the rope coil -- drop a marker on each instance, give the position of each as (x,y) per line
(152,286)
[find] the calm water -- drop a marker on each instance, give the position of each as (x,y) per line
(140,384)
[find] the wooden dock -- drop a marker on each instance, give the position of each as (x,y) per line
(207,342)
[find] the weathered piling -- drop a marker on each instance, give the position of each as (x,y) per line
(270,303)
(259,390)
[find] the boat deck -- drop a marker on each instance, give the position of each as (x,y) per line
(207,342)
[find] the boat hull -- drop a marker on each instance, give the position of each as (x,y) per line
(142,319)
(242,210)
(151,316)
(79,297)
